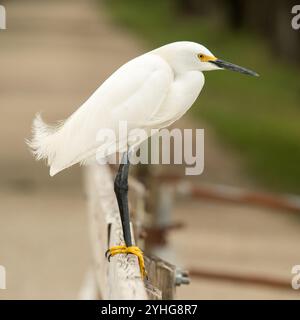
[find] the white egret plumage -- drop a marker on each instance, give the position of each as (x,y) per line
(150,91)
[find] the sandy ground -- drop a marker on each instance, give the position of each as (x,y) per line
(53,55)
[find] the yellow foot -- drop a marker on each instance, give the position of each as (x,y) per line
(126,250)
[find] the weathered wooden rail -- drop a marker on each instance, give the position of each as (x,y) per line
(231,194)
(120,279)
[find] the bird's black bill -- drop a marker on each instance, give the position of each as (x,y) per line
(233,67)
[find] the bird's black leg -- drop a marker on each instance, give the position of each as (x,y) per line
(121,191)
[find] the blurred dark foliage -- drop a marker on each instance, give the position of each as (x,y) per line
(270,19)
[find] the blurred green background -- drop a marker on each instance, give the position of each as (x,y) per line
(258,117)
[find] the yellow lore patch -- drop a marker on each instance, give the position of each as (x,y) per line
(205,58)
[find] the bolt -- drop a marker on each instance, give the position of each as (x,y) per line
(181,277)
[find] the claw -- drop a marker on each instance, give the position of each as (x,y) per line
(128,250)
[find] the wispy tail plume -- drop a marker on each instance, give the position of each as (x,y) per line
(44,140)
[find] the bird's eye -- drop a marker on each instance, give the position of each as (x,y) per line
(201,56)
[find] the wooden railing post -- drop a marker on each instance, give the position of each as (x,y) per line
(121,278)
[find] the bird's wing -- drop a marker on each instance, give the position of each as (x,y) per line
(133,93)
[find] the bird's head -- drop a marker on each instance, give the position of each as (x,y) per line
(187,56)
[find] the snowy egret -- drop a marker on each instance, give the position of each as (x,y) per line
(150,91)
